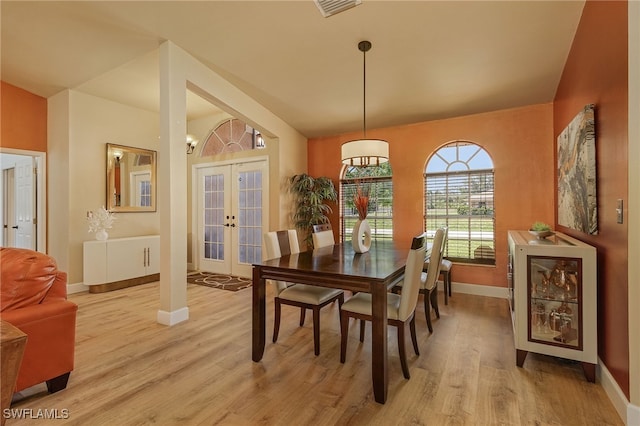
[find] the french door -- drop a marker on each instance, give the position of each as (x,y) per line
(231,210)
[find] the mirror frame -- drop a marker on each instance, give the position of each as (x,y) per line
(112,161)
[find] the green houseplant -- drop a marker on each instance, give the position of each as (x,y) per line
(310,195)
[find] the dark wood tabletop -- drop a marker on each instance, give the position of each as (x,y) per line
(337,266)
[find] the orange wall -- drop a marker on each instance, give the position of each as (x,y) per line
(24,119)
(520,142)
(596,72)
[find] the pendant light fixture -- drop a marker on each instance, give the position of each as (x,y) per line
(365,152)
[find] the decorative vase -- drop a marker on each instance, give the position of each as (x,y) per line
(101,235)
(361,236)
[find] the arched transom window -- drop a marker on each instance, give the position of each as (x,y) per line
(231,135)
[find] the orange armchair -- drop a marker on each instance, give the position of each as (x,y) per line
(33,297)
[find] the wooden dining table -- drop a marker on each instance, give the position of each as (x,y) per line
(338,266)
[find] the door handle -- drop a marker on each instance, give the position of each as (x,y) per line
(15,227)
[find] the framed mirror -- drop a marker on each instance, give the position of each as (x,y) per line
(131,179)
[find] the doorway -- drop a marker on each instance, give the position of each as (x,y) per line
(230,205)
(23,199)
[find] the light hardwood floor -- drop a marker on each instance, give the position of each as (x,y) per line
(132,371)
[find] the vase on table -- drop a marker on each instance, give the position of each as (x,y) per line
(102,235)
(361,236)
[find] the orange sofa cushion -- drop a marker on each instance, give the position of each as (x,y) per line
(26,277)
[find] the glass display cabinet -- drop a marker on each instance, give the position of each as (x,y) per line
(552,296)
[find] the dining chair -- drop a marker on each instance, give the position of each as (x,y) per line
(400,308)
(322,227)
(323,235)
(281,243)
(445,272)
(429,283)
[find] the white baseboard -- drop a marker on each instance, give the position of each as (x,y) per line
(629,413)
(174,317)
(478,290)
(76,288)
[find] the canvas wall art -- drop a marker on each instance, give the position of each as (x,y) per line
(577,202)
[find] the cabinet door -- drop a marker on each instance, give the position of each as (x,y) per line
(94,266)
(126,258)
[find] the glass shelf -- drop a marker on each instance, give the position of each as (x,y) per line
(555,290)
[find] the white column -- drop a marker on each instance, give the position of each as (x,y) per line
(172,188)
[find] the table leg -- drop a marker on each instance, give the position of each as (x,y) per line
(379,371)
(258,316)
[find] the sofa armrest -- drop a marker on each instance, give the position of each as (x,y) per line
(50,349)
(32,316)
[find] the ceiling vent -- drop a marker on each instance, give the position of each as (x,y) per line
(331,7)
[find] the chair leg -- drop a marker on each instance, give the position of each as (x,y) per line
(362,330)
(344,334)
(427,312)
(446,287)
(303,311)
(414,337)
(316,330)
(433,296)
(403,355)
(276,321)
(448,278)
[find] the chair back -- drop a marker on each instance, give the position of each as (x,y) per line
(322,227)
(444,241)
(323,238)
(278,244)
(412,272)
(435,260)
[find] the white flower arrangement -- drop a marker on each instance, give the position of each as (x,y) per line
(100,220)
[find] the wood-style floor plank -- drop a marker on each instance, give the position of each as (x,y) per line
(132,371)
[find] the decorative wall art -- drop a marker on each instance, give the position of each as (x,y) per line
(577,202)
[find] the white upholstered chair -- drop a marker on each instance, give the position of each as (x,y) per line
(322,235)
(445,272)
(429,279)
(281,243)
(400,308)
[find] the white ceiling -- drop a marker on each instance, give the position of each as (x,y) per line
(429,60)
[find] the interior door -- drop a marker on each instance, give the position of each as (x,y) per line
(23,199)
(9,207)
(25,203)
(231,211)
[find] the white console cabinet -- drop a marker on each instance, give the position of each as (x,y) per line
(121,262)
(553,293)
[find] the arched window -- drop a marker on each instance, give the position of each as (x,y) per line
(458,193)
(377,181)
(232,135)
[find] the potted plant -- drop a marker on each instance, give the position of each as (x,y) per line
(541,230)
(310,195)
